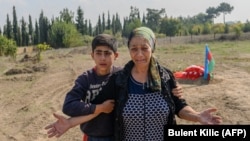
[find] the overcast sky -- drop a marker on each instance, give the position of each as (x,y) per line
(93,8)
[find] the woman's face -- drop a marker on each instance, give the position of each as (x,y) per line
(140,51)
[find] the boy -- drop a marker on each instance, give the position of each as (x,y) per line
(89,95)
(90,98)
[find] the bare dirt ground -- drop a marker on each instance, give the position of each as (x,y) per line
(33,91)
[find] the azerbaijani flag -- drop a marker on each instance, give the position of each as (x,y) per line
(209,64)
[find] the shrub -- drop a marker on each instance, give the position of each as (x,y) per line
(40,48)
(7,47)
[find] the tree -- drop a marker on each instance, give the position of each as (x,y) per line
(237,29)
(57,33)
(134,13)
(144,23)
(99,26)
(197,29)
(202,18)
(31,34)
(67,16)
(207,28)
(15,27)
(246,27)
(7,47)
(80,21)
(63,34)
(8,32)
(225,8)
(212,13)
(85,27)
(116,24)
(153,18)
(108,22)
(170,27)
(218,28)
(103,22)
(131,22)
(113,25)
(43,28)
(90,32)
(24,34)
(37,34)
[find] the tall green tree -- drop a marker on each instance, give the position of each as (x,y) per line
(131,22)
(99,26)
(118,24)
(80,20)
(103,22)
(24,33)
(144,23)
(43,28)
(9,30)
(153,18)
(225,8)
(90,32)
(30,31)
(125,30)
(212,13)
(67,16)
(15,27)
(109,22)
(19,35)
(201,18)
(85,27)
(134,13)
(36,34)
(113,25)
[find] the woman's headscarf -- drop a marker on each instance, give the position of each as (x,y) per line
(154,80)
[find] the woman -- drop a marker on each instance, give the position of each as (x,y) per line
(145,104)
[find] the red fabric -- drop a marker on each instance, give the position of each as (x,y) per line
(180,74)
(192,72)
(85,137)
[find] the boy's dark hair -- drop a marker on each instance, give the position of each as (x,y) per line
(105,40)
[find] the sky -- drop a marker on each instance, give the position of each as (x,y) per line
(93,8)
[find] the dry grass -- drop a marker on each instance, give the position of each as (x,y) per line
(29,99)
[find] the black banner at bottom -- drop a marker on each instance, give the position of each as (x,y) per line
(209,132)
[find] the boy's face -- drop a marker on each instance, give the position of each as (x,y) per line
(104,58)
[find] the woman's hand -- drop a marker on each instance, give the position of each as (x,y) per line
(207,118)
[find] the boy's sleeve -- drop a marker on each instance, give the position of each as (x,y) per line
(73,104)
(179,103)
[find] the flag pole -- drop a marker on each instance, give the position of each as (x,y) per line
(206,63)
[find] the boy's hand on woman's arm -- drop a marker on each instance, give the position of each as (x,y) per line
(178,91)
(106,107)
